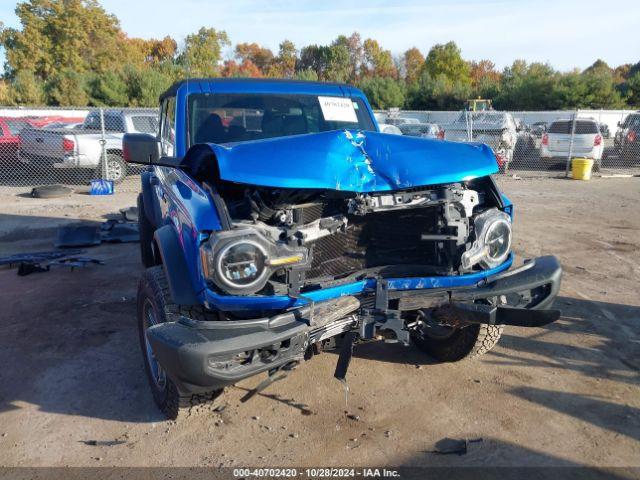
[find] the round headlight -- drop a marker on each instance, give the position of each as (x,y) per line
(242,264)
(497,240)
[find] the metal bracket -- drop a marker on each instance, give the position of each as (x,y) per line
(382,295)
(274,375)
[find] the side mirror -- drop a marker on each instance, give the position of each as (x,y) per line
(140,148)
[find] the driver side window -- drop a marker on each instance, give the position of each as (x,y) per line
(167,132)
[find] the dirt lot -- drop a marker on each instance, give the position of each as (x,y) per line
(73,391)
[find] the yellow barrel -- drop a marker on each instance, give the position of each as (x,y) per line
(581,168)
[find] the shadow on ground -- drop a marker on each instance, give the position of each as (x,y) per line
(70,346)
(615,356)
(493,458)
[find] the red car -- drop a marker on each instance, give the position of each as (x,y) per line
(10,127)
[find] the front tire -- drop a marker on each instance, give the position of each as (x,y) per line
(155,307)
(448,344)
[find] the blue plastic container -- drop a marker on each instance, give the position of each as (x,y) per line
(101,187)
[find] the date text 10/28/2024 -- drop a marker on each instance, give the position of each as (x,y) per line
(315,473)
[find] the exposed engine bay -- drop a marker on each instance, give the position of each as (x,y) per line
(289,241)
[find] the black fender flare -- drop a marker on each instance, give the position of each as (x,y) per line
(174,263)
(151,203)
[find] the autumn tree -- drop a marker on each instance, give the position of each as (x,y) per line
(447,60)
(255,54)
(284,64)
(485,78)
(378,62)
(246,68)
(353,45)
(152,52)
(77,35)
(444,81)
(202,52)
(5,93)
(27,89)
(72,52)
(412,61)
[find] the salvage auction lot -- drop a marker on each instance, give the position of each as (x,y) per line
(73,390)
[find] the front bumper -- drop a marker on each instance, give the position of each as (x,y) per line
(200,356)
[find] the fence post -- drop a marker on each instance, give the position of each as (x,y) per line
(573,132)
(103,143)
(469,122)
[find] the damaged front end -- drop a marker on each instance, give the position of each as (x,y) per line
(299,270)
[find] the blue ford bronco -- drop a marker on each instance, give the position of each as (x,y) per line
(277,221)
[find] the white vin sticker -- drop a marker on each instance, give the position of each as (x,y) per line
(338,109)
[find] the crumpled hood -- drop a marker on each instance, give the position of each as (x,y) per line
(352,161)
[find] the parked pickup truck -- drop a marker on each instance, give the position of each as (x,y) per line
(309,230)
(496,129)
(83,148)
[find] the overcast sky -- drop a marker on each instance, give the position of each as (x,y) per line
(565,33)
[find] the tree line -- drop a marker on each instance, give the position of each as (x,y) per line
(73,53)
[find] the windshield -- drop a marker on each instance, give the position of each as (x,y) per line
(630,120)
(227,118)
(15,126)
(145,124)
(582,127)
(414,129)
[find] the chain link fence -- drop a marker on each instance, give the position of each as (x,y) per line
(534,143)
(69,146)
(75,146)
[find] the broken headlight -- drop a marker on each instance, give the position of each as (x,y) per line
(241,261)
(493,240)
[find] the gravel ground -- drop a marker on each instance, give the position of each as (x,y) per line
(73,391)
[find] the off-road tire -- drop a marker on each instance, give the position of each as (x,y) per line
(116,159)
(468,342)
(51,191)
(146,236)
(153,286)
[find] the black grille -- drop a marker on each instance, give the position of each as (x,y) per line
(316,211)
(375,240)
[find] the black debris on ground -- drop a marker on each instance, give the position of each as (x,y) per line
(452,446)
(37,257)
(78,236)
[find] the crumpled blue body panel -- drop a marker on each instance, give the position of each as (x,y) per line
(352,161)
